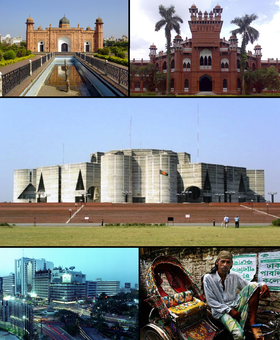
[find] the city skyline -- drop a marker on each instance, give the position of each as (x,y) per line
(115,20)
(110,264)
(236,132)
(142,36)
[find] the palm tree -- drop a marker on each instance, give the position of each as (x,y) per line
(249,34)
(170,21)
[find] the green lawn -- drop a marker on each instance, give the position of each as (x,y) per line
(139,236)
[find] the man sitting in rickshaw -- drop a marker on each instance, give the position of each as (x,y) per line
(231,297)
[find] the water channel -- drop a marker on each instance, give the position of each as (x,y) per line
(68,77)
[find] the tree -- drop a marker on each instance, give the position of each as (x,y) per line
(160,80)
(147,73)
(249,34)
(9,55)
(133,71)
(272,77)
(260,79)
(170,21)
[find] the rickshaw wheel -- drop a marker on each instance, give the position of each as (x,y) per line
(154,332)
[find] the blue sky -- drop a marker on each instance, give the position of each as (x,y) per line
(142,36)
(113,13)
(119,264)
(43,132)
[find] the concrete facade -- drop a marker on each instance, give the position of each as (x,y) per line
(139,176)
(64,38)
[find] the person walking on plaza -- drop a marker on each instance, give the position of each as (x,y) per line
(236,220)
(226,221)
(232,299)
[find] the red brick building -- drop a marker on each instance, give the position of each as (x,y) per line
(64,38)
(204,63)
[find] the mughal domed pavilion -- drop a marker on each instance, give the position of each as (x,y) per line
(64,38)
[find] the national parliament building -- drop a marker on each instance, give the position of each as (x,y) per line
(64,38)
(139,176)
(205,62)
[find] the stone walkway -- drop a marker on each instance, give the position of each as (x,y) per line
(9,68)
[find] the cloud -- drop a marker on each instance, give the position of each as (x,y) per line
(143,17)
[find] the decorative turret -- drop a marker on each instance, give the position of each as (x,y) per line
(218,12)
(233,42)
(193,10)
(258,51)
(177,42)
(153,51)
(29,29)
(98,34)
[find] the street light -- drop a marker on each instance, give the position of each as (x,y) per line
(230,193)
(272,196)
(252,204)
(267,206)
(125,195)
(219,196)
(184,193)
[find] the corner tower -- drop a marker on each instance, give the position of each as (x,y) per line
(29,30)
(98,34)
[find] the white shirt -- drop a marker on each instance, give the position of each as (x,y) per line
(222,301)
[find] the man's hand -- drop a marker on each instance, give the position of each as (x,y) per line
(234,314)
(264,291)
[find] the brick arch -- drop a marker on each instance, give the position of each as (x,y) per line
(205,83)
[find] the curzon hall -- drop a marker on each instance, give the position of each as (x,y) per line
(64,38)
(139,176)
(205,62)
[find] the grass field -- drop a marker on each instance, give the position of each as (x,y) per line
(138,236)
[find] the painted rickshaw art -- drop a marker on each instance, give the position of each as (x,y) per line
(178,309)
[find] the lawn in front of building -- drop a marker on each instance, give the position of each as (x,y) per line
(77,236)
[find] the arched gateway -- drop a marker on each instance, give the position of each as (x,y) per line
(205,83)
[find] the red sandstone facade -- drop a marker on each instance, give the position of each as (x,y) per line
(204,63)
(64,38)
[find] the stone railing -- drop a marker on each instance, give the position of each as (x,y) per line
(11,79)
(117,73)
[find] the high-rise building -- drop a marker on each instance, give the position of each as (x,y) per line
(9,285)
(67,285)
(42,284)
(91,289)
(25,269)
(18,314)
(107,287)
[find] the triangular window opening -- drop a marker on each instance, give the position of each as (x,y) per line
(241,185)
(41,186)
(207,184)
(28,192)
(80,183)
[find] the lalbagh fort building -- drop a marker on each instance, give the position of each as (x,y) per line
(138,176)
(64,38)
(204,62)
